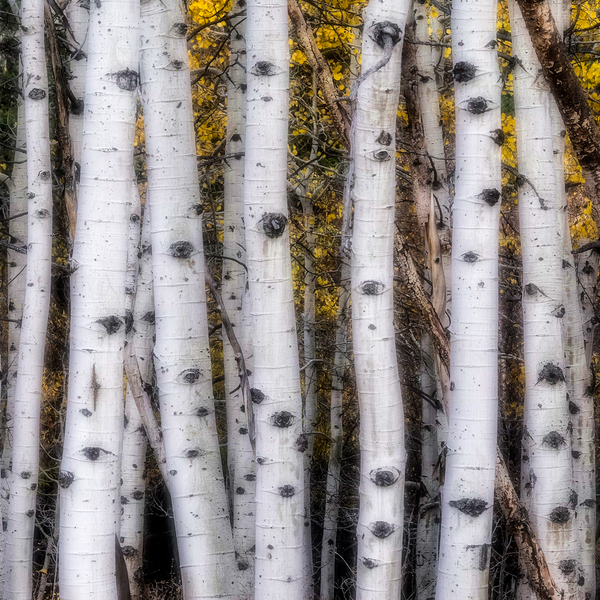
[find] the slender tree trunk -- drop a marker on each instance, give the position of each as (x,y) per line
(17,279)
(240,458)
(332,499)
(28,393)
(470,464)
(276,396)
(383,457)
(581,407)
(90,470)
(181,353)
(587,275)
(546,476)
(139,321)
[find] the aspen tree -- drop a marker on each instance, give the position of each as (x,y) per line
(240,459)
(333,500)
(139,321)
(181,353)
(90,470)
(28,392)
(383,457)
(276,396)
(468,497)
(546,477)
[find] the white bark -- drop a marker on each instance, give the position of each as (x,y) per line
(240,457)
(468,495)
(182,355)
(546,478)
(90,469)
(332,500)
(383,457)
(277,401)
(581,407)
(140,323)
(587,275)
(428,524)
(17,279)
(28,392)
(78,16)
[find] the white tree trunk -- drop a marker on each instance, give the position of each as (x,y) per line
(140,323)
(383,457)
(17,279)
(332,499)
(28,392)
(240,457)
(468,496)
(546,479)
(428,523)
(182,355)
(587,275)
(581,407)
(90,470)
(276,396)
(78,16)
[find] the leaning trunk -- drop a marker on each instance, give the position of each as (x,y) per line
(90,469)
(28,392)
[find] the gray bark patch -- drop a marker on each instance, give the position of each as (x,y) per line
(553,439)
(77,107)
(256,395)
(573,498)
(124,500)
(560,515)
(137,495)
(498,136)
(573,408)
(484,556)
(242,431)
(566,264)
(87,413)
(551,373)
(287,491)
(261,460)
(264,68)
(383,30)
(250,477)
(382,529)
(149,317)
(93,452)
(587,269)
(531,289)
(470,506)
(242,566)
(567,566)
(385,138)
(371,287)
(129,551)
(589,503)
(30,513)
(25,474)
(190,375)
(477,106)
(181,249)
(37,94)
(240,491)
(464,71)
(180,29)
(575,454)
(128,321)
(381,155)
(559,312)
(301,443)
(273,224)
(470,257)
(202,411)
(65,479)
(384,477)
(490,196)
(193,452)
(282,419)
(173,472)
(112,324)
(370,563)
(176,64)
(127,79)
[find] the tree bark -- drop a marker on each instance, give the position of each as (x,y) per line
(90,469)
(565,86)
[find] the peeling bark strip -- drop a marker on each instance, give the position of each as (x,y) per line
(565,86)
